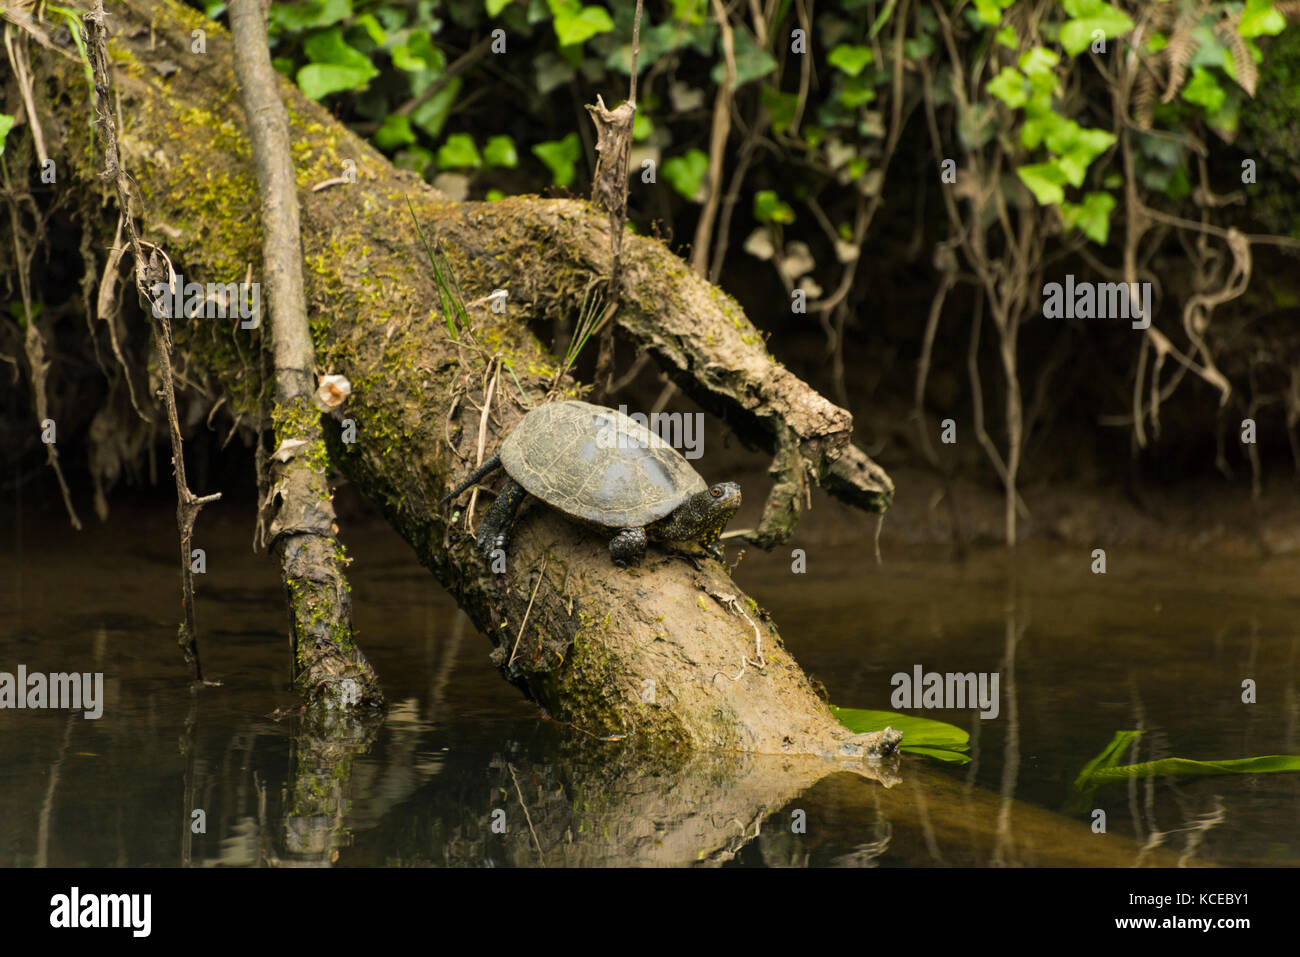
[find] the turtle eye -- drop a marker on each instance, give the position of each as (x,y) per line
(716,491)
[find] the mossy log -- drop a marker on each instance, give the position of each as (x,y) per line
(657,652)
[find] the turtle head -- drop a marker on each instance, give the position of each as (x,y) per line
(704,515)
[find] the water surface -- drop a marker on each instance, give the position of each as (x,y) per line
(1160,643)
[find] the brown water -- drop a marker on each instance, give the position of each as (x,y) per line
(1160,643)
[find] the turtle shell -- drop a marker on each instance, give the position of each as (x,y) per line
(598,465)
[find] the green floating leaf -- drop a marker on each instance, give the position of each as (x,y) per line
(1045,180)
(935,739)
(850,58)
(1260,18)
(1090,16)
(1106,769)
(561,157)
(686,173)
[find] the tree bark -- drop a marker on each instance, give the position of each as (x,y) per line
(670,652)
(330,669)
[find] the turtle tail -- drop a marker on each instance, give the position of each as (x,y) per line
(491,465)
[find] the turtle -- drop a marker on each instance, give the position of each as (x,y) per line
(600,468)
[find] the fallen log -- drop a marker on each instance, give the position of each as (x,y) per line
(671,652)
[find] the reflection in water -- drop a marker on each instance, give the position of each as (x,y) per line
(463,772)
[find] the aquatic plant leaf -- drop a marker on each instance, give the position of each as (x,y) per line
(924,736)
(1105,769)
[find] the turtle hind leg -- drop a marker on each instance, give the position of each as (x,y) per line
(499,520)
(628,547)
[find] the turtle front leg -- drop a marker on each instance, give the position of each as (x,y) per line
(499,520)
(628,547)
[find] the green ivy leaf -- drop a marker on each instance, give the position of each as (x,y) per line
(1045,180)
(768,208)
(575,24)
(430,115)
(493,7)
(1089,16)
(686,173)
(414,158)
(1077,147)
(561,157)
(1260,18)
(917,48)
(1092,215)
(1204,90)
(780,106)
(977,124)
(328,46)
(373,30)
(6,124)
(311,13)
(855,92)
(1040,123)
(1006,37)
(752,62)
(850,58)
(500,151)
(642,126)
(990,11)
(459,152)
(1009,87)
(418,54)
(319,80)
(1039,60)
(396,131)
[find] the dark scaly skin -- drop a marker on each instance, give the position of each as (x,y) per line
(701,518)
(499,519)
